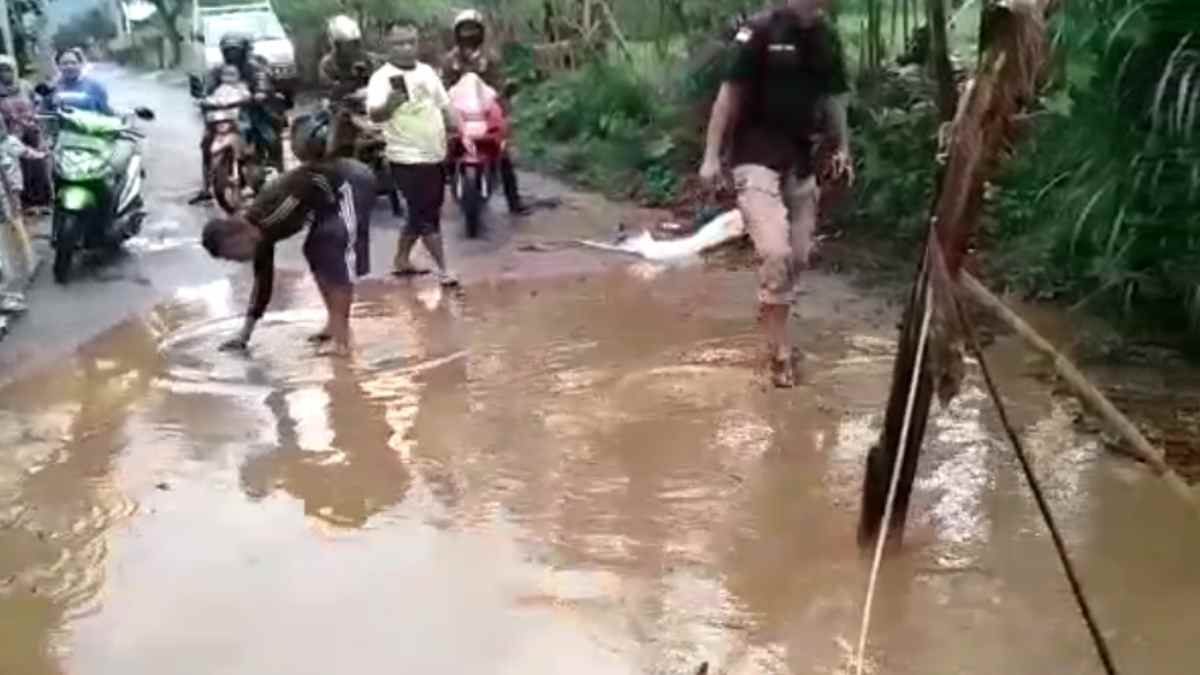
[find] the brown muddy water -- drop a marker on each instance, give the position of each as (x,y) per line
(561,476)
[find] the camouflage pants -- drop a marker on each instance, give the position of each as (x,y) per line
(781,214)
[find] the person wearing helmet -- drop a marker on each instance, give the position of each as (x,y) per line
(266,120)
(471,55)
(332,198)
(343,72)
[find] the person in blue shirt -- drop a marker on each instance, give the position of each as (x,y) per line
(75,90)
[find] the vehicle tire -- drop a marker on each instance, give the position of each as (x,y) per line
(67,229)
(227,189)
(471,199)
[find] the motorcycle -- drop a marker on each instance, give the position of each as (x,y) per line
(474,168)
(369,146)
(98,177)
(239,164)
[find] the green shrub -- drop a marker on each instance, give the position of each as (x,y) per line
(608,126)
(1103,203)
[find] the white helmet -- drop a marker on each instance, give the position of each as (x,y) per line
(468,16)
(343,29)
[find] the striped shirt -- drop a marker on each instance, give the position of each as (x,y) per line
(291,203)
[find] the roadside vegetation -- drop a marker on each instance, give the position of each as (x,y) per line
(1098,207)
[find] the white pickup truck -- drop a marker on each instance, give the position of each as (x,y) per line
(254,19)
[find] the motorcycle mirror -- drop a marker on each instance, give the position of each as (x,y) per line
(144,113)
(43,89)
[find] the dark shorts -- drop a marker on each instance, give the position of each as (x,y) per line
(327,250)
(342,238)
(424,190)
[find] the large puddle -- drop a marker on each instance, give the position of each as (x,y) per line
(565,476)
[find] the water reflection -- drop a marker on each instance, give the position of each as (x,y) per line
(332,454)
(58,501)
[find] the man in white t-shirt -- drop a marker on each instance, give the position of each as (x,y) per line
(408,98)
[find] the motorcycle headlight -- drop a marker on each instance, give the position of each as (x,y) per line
(76,164)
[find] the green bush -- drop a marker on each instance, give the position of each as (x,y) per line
(1103,203)
(894,141)
(606,125)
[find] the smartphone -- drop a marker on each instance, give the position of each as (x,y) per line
(399,85)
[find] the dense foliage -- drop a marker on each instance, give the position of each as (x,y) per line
(1103,203)
(1099,204)
(91,26)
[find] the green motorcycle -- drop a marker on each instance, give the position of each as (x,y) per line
(98,177)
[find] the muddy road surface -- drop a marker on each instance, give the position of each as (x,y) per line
(166,257)
(572,466)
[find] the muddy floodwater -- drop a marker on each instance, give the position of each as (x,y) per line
(547,477)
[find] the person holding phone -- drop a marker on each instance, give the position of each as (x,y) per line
(408,98)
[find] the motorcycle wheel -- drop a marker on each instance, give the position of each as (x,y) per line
(66,236)
(227,189)
(471,198)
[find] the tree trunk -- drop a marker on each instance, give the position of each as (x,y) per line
(169,13)
(939,59)
(1012,57)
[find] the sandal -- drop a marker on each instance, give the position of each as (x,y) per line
(409,271)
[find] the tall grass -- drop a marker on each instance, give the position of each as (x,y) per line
(1103,204)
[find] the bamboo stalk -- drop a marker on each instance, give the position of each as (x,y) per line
(1118,422)
(907,31)
(616,29)
(895,19)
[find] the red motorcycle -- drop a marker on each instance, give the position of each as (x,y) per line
(475,167)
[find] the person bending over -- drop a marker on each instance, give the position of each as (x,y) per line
(332,198)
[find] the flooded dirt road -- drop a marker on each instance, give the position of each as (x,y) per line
(572,475)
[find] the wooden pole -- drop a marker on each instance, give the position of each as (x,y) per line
(1078,383)
(1012,58)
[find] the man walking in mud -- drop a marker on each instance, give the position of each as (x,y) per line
(787,81)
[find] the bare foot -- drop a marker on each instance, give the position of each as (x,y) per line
(783,372)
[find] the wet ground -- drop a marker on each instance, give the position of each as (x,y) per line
(570,467)
(167,256)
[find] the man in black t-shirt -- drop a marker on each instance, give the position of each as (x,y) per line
(786,87)
(333,199)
